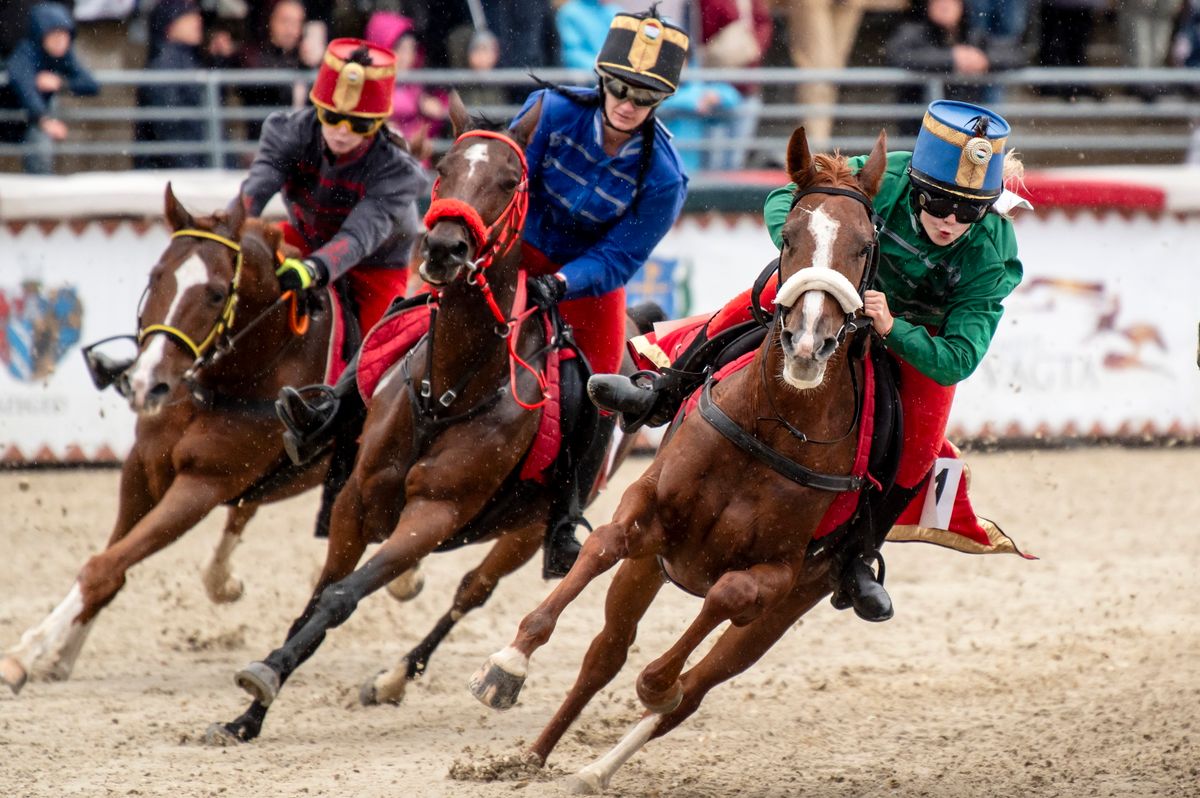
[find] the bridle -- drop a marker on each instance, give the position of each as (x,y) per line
(498,238)
(228,313)
(853,322)
(218,342)
(491,242)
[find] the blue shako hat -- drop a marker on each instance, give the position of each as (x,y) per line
(960,151)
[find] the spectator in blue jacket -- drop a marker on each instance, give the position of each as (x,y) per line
(176,33)
(582,27)
(40,66)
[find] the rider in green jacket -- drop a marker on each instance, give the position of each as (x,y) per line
(948,258)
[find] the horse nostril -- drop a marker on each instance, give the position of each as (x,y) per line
(786,338)
(159,391)
(827,347)
(460,250)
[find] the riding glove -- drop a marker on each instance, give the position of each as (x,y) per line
(554,286)
(300,275)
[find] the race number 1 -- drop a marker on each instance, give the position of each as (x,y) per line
(943,488)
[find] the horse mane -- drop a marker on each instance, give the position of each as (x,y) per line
(831,171)
(269,233)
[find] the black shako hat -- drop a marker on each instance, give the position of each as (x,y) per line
(644,50)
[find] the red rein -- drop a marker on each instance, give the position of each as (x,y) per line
(492,241)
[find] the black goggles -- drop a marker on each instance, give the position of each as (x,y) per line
(941,205)
(622,91)
(362,125)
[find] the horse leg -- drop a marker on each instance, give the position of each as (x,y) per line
(498,681)
(220,584)
(60,632)
(737,596)
(736,649)
(347,542)
(507,554)
(408,585)
(633,588)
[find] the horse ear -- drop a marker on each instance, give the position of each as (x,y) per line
(459,118)
(237,215)
(799,160)
(870,177)
(174,212)
(526,126)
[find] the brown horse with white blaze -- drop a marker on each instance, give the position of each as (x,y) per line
(216,342)
(446,431)
(710,516)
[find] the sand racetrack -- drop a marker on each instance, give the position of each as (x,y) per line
(1076,675)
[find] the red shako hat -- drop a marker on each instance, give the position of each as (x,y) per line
(346,85)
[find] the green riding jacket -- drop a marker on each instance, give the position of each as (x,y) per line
(946,300)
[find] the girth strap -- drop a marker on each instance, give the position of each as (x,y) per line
(781,465)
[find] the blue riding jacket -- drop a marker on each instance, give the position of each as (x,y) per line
(580,197)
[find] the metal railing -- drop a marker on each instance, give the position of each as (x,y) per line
(1116,123)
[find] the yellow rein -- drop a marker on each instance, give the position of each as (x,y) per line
(224,321)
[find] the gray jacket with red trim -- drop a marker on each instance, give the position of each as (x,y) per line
(350,212)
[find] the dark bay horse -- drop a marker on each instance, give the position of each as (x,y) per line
(445,431)
(216,343)
(713,518)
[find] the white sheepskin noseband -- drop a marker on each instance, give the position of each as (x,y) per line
(819,278)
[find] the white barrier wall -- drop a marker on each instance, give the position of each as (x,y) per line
(1100,339)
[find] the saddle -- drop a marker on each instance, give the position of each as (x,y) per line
(880,431)
(569,429)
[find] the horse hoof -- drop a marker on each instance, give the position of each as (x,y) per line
(661,703)
(227,593)
(585,782)
(219,735)
(259,681)
(372,693)
(408,585)
(13,674)
(499,680)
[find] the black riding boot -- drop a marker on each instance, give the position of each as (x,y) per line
(561,548)
(859,585)
(647,398)
(311,424)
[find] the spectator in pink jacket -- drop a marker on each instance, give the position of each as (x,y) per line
(416,108)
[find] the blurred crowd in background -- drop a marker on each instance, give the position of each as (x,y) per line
(945,37)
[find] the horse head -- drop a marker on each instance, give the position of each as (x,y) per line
(479,198)
(205,275)
(829,246)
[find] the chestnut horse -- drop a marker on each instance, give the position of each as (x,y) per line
(718,521)
(430,468)
(203,390)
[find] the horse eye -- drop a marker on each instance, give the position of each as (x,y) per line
(784,240)
(509,184)
(865,251)
(215,297)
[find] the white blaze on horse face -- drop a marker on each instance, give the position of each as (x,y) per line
(476,153)
(191,273)
(824,230)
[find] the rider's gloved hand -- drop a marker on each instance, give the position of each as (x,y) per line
(554,286)
(300,275)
